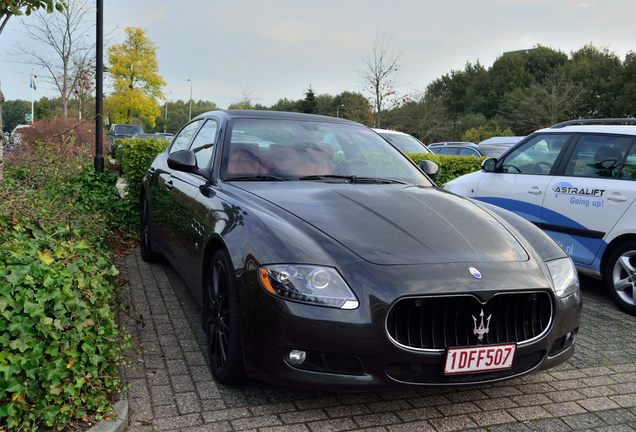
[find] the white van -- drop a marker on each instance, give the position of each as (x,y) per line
(577,181)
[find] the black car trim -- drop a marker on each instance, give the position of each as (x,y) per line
(569,230)
(547,330)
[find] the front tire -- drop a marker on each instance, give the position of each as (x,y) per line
(222,322)
(620,276)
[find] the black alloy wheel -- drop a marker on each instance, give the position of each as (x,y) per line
(145,242)
(222,325)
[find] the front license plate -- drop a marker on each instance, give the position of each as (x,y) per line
(479,359)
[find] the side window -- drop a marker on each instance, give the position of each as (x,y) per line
(537,156)
(448,151)
(203,144)
(185,136)
(598,156)
(467,152)
(629,169)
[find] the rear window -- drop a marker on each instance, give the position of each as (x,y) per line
(128,130)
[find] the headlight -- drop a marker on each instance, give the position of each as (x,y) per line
(564,276)
(308,284)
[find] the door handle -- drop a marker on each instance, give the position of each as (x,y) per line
(169,184)
(616,197)
(534,190)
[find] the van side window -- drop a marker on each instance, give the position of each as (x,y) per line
(629,169)
(537,156)
(598,156)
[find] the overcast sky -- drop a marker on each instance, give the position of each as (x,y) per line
(267,50)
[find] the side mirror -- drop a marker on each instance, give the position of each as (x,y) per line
(489,165)
(430,168)
(183,160)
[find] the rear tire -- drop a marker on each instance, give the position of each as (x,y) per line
(221,315)
(620,276)
(145,242)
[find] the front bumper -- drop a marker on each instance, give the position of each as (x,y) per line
(350,349)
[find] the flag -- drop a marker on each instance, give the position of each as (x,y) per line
(32,83)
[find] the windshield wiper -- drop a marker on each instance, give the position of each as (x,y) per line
(260,177)
(354,179)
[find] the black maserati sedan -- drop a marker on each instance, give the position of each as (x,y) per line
(324,258)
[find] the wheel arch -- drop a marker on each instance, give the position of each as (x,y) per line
(613,245)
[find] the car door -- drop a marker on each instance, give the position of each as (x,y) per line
(169,214)
(595,189)
(521,178)
(189,224)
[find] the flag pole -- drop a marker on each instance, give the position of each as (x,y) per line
(32,96)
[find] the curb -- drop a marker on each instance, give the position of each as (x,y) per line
(118,424)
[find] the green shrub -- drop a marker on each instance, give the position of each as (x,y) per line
(450,167)
(59,344)
(136,155)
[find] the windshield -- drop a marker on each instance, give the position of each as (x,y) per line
(128,130)
(276,149)
(406,143)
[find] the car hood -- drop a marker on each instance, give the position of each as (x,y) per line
(396,224)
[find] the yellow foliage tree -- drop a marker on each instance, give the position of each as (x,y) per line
(137,83)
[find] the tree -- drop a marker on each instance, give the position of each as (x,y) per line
(353,106)
(61,47)
(9,8)
(379,77)
(542,105)
(137,83)
(309,104)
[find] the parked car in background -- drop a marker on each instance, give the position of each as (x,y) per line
(323,257)
(118,131)
(577,181)
(455,148)
(496,146)
(404,142)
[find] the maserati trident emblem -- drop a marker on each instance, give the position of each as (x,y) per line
(481,330)
(476,273)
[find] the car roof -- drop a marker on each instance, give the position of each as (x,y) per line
(389,131)
(280,115)
(611,129)
(502,140)
(454,143)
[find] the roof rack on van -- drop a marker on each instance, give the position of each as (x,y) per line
(628,120)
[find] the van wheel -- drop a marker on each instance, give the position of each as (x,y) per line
(620,276)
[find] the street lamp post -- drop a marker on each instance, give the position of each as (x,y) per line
(99,86)
(338,110)
(165,117)
(190,109)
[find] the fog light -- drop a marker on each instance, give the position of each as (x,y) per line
(296,357)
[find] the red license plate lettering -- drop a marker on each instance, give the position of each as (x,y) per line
(479,359)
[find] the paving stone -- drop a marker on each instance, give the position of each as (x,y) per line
(458,408)
(376,419)
(207,390)
(617,416)
(598,404)
(529,400)
(625,401)
(497,403)
(347,410)
(182,383)
(412,427)
(615,428)
(225,414)
(565,396)
(335,425)
(275,408)
(528,413)
(303,416)
(548,425)
(161,395)
(452,423)
(491,418)
(385,406)
(211,427)
(173,423)
(188,403)
(582,421)
(418,414)
(255,422)
(285,428)
(564,408)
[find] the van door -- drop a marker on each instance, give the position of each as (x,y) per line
(523,175)
(596,188)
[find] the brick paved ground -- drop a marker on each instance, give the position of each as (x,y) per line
(172,389)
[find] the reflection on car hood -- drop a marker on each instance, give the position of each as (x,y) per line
(396,224)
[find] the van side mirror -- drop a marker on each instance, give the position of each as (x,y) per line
(489,165)
(430,168)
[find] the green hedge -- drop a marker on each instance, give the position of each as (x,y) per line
(450,167)
(135,156)
(60,346)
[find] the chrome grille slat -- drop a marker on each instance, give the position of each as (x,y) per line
(438,322)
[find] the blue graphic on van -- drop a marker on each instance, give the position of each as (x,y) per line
(583,250)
